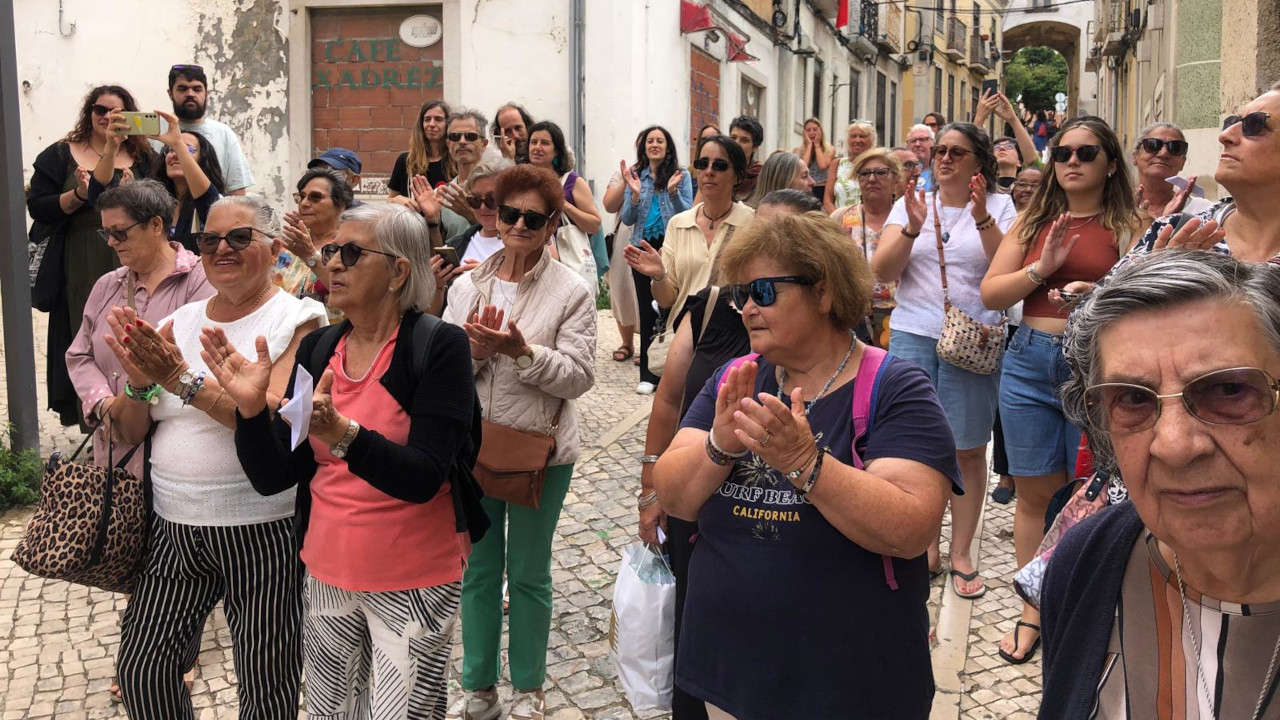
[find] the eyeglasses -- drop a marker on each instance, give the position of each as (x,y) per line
(1251,125)
(1024,185)
(1005,146)
(762,291)
(191,149)
(459,136)
(956,152)
(349,254)
(120,235)
(312,197)
(910,165)
(1237,396)
(101,110)
(532,220)
(718,165)
(921,139)
(488,201)
(1177,148)
(237,239)
(1086,153)
(879,173)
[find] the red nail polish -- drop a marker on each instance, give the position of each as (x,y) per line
(126,338)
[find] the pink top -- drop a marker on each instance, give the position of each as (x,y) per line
(359,538)
(94,370)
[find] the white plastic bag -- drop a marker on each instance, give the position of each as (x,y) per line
(642,628)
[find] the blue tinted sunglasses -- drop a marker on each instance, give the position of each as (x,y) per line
(762,291)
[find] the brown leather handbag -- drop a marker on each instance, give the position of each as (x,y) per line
(512,466)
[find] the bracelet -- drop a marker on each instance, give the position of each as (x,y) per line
(813,477)
(75,192)
(985,223)
(720,457)
(647,500)
(658,279)
(149,394)
(649,459)
(1033,275)
(792,476)
(189,392)
(908,234)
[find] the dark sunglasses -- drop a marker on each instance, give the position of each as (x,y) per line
(1237,396)
(101,110)
(167,150)
(181,68)
(488,201)
(1086,153)
(1177,148)
(237,239)
(313,197)
(120,235)
(532,220)
(349,254)
(458,136)
(1251,125)
(719,164)
(880,173)
(762,291)
(956,152)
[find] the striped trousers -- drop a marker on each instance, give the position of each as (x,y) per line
(378,655)
(254,570)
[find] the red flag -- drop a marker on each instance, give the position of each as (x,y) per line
(842,15)
(694,17)
(737,48)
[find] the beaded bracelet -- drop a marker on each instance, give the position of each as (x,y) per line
(813,476)
(720,457)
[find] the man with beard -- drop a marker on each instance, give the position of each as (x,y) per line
(189,91)
(511,132)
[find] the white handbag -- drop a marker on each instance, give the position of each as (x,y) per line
(574,247)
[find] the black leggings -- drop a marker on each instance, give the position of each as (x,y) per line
(648,317)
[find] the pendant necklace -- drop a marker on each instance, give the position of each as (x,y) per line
(711,221)
(782,376)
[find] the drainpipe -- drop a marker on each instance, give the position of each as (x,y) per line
(577,64)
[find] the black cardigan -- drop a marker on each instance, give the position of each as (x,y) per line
(444,430)
(1078,602)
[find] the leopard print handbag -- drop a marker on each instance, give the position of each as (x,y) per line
(91,524)
(966,343)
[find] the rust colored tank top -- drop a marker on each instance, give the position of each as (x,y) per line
(1094,254)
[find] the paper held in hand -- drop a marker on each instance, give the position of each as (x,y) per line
(297,412)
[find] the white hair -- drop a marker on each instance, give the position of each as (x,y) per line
(403,233)
(921,127)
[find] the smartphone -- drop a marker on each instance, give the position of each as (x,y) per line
(1070,297)
(142,123)
(992,85)
(449,254)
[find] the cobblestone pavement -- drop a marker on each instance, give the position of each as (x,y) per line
(58,641)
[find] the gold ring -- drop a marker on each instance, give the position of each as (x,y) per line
(767,437)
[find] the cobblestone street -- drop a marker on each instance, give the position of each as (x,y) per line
(58,642)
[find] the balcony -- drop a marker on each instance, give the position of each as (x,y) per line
(980,55)
(890,38)
(1111,26)
(867,33)
(956,39)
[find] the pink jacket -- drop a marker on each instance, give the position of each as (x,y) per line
(94,370)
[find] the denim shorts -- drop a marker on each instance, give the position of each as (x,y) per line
(1037,436)
(968,399)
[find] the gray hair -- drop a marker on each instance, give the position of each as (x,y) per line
(404,233)
(921,128)
(482,123)
(1161,280)
(265,218)
(1158,126)
(797,200)
(866,127)
(487,168)
(340,191)
(141,200)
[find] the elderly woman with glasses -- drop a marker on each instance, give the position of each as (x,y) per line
(532,326)
(1171,600)
(323,195)
(213,538)
(817,469)
(880,176)
(1159,154)
(393,427)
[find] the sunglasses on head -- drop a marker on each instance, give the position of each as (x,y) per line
(955,152)
(101,110)
(719,164)
(181,68)
(1086,153)
(349,254)
(459,136)
(488,201)
(120,235)
(532,220)
(762,291)
(1251,125)
(880,173)
(1177,148)
(167,150)
(237,239)
(1237,396)
(312,197)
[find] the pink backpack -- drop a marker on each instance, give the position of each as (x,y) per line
(864,399)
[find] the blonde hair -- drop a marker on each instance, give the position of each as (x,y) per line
(883,155)
(865,127)
(822,134)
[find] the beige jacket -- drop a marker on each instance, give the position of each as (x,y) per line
(556,313)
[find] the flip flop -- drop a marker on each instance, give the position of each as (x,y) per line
(1008,657)
(968,577)
(934,574)
(623,353)
(1002,495)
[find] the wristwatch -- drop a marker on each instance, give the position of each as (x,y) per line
(340,450)
(313,260)
(524,362)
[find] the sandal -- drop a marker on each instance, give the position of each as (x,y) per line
(623,353)
(1003,494)
(1017,628)
(968,577)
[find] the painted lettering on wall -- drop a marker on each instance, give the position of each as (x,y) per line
(428,74)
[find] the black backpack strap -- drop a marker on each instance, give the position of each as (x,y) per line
(323,350)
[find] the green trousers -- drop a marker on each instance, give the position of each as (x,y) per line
(524,550)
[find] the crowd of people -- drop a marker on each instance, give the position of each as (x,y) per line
(832,340)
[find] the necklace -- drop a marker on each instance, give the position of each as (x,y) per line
(711,221)
(782,376)
(946,234)
(214,302)
(1087,220)
(1195,644)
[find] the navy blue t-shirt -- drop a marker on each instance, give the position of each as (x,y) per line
(788,618)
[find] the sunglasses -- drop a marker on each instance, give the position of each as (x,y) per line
(879,173)
(349,254)
(762,291)
(181,68)
(487,201)
(1177,148)
(313,197)
(1086,153)
(101,110)
(1237,396)
(532,220)
(1251,125)
(955,152)
(237,239)
(459,136)
(120,235)
(167,150)
(719,164)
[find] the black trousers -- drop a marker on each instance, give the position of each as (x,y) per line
(680,538)
(648,318)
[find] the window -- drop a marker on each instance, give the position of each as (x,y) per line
(964,93)
(799,82)
(855,95)
(752,98)
(975,99)
(893,116)
(951,97)
(937,90)
(938,12)
(818,68)
(881,102)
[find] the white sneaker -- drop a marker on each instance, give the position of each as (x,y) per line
(476,705)
(646,388)
(529,706)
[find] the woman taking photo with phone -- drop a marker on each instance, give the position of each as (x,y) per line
(189,170)
(1079,223)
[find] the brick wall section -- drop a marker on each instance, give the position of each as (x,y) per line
(367,85)
(704,95)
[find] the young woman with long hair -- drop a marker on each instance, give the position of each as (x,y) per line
(816,153)
(428,152)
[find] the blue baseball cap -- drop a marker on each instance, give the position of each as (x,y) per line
(339,159)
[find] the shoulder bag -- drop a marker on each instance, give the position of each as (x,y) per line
(574,246)
(660,345)
(965,343)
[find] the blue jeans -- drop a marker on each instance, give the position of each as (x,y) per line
(1038,438)
(968,399)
